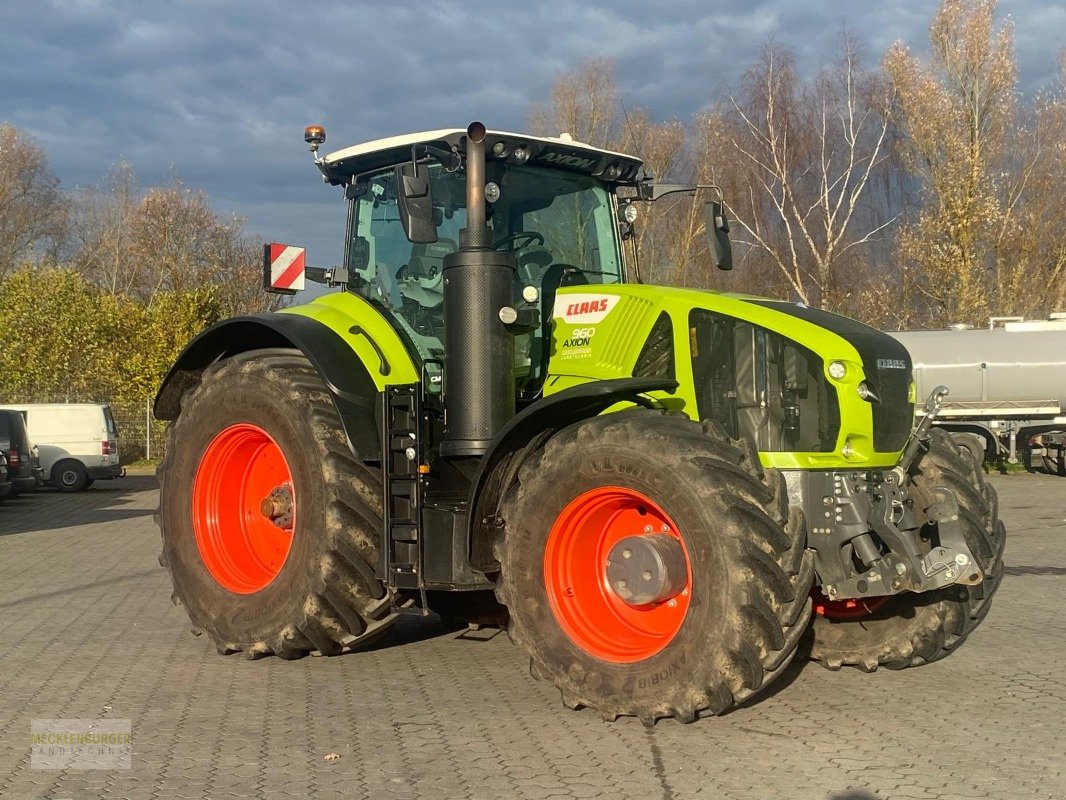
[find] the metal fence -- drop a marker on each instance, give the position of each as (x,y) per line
(140,434)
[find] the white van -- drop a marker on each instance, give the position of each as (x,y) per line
(78,442)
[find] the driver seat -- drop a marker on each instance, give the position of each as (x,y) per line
(427,260)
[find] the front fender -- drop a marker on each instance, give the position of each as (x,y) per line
(351,383)
(526,432)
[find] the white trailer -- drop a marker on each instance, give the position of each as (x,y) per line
(77,442)
(1007,386)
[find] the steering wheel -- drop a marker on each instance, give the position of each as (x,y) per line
(527,239)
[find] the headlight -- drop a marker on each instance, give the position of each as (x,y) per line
(837,370)
(630,213)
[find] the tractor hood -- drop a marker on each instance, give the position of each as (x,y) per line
(809,386)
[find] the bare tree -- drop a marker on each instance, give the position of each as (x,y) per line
(32,209)
(808,150)
(583,103)
(666,230)
(138,244)
(101,231)
(958,113)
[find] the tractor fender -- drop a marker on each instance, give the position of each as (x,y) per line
(526,432)
(350,385)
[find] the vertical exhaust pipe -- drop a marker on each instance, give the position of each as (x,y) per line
(479,377)
(475,186)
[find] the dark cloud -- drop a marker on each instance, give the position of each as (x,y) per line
(218,93)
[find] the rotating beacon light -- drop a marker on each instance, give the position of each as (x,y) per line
(314,135)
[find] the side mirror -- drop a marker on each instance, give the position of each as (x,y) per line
(718,235)
(415,204)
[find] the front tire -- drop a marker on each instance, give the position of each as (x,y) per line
(737,609)
(972,446)
(907,630)
(290,576)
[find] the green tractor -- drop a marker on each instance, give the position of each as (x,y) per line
(666,493)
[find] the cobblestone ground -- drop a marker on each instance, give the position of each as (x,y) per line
(89,631)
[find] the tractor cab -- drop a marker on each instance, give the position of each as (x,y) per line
(549,202)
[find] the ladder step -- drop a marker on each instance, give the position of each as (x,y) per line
(401,558)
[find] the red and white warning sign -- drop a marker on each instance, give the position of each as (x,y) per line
(283,267)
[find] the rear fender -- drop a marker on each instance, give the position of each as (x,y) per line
(347,377)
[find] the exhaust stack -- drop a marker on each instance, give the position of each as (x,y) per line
(479,380)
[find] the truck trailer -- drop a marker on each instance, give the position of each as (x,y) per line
(1007,386)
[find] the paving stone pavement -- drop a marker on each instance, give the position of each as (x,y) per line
(89,631)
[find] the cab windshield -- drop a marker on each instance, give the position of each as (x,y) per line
(559,225)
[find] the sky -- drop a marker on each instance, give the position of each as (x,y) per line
(218,93)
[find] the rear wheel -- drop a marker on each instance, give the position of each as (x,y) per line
(910,629)
(69,476)
(651,568)
(270,525)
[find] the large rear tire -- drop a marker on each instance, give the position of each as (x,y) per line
(738,608)
(908,630)
(290,576)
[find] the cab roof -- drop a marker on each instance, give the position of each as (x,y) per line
(560,152)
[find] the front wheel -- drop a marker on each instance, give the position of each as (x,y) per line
(971,446)
(651,568)
(270,525)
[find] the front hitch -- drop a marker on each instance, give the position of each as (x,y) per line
(919,440)
(867,541)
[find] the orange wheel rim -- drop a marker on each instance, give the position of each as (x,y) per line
(585,604)
(243,542)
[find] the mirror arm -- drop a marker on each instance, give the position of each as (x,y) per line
(650,192)
(424,153)
(449,159)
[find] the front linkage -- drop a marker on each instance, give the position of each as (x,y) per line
(867,536)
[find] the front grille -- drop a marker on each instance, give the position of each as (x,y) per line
(894,414)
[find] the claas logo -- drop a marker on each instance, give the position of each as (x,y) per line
(588,307)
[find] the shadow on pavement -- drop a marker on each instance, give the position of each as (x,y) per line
(69,590)
(48,509)
(1029,570)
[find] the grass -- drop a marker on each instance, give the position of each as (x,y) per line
(143,466)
